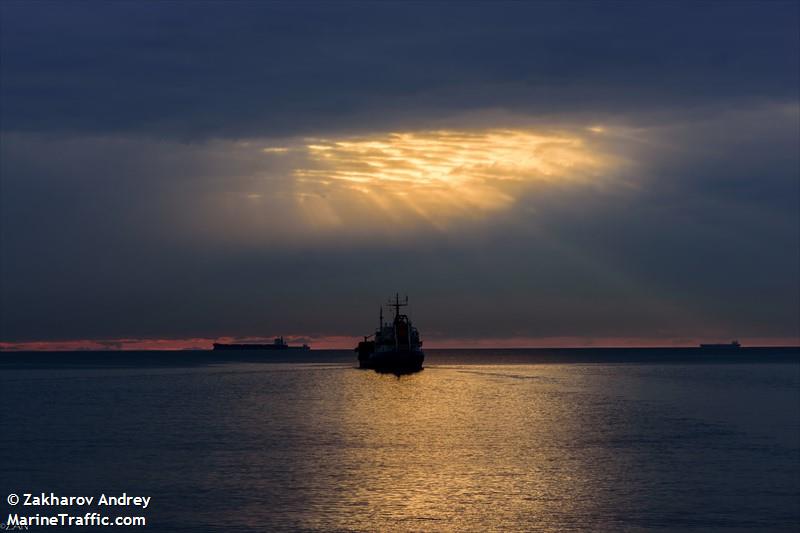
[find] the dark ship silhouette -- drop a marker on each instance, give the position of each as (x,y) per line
(277,344)
(733,345)
(396,346)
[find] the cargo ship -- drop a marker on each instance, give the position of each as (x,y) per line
(395,346)
(733,345)
(277,344)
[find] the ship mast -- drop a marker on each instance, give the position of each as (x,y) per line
(397,304)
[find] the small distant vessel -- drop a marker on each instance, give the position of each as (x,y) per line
(733,345)
(396,346)
(277,344)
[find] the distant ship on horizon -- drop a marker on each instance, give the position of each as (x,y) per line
(396,346)
(733,345)
(277,344)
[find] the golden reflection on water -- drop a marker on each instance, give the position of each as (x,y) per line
(468,449)
(462,449)
(439,175)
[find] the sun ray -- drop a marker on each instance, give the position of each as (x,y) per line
(443,175)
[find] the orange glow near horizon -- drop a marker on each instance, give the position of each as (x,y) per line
(342,342)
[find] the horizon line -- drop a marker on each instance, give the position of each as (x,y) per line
(346,342)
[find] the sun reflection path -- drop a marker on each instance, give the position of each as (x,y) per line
(440,174)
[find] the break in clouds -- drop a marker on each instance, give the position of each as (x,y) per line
(234,177)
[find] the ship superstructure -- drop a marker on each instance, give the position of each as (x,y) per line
(395,345)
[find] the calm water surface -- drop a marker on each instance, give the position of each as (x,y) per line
(655,444)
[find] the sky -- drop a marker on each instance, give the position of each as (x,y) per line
(529,174)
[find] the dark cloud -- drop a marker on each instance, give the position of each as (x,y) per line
(253,69)
(136,200)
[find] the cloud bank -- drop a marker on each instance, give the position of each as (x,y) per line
(522,171)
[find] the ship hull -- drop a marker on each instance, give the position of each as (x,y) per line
(721,347)
(269,347)
(393,361)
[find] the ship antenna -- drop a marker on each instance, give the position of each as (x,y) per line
(398,304)
(380,320)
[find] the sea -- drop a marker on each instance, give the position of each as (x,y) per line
(480,440)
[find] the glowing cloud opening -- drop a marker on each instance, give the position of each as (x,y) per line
(440,175)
